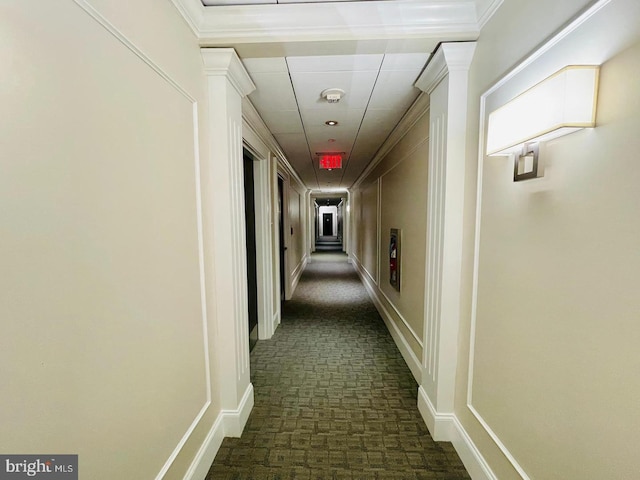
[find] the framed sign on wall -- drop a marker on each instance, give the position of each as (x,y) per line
(394,258)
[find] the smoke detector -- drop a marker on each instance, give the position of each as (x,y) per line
(332,95)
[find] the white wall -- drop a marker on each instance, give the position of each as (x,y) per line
(333,211)
(105,310)
(551,327)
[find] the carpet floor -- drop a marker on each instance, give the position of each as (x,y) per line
(334,398)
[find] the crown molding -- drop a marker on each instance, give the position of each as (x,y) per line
(254,121)
(451,56)
(486,11)
(227,25)
(419,108)
(193,13)
(225,62)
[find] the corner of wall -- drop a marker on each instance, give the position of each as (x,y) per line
(229,423)
(377,297)
(445,427)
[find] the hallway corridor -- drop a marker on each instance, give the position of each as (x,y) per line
(333,397)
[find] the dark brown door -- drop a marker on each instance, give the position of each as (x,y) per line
(327,224)
(283,249)
(250,224)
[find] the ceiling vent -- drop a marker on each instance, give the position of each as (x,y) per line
(332,95)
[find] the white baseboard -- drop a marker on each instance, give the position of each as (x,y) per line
(447,427)
(235,420)
(229,423)
(396,334)
(440,425)
(207,453)
(297,273)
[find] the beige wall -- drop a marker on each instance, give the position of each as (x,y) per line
(103,352)
(555,350)
(367,228)
(394,195)
(295,233)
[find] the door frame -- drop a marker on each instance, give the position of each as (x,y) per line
(326,216)
(262,166)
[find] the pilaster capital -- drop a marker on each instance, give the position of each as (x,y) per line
(449,57)
(224,62)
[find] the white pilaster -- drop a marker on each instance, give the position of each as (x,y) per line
(228,82)
(445,81)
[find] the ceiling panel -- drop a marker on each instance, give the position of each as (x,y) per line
(335,63)
(404,61)
(273,92)
(283,121)
(357,85)
(376,122)
(378,90)
(317,135)
(317,117)
(394,89)
(266,65)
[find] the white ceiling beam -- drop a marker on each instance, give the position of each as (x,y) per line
(385,19)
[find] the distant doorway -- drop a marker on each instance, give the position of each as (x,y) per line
(283,248)
(250,226)
(327,224)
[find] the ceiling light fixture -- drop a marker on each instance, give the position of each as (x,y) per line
(331,123)
(332,95)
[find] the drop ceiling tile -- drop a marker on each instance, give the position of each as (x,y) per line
(307,173)
(265,65)
(316,117)
(363,152)
(344,133)
(335,63)
(273,92)
(335,147)
(282,121)
(357,87)
(357,164)
(377,120)
(294,145)
(404,61)
(394,89)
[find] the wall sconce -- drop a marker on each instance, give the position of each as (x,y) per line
(560,104)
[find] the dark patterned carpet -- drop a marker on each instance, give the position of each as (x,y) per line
(333,397)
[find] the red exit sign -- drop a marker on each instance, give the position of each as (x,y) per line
(329,162)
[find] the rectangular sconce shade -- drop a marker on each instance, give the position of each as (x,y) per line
(560,104)
(329,162)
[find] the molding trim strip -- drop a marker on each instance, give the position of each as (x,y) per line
(554,40)
(445,81)
(235,420)
(224,62)
(254,121)
(229,423)
(486,15)
(407,353)
(447,427)
(366,276)
(401,317)
(286,22)
(297,273)
(207,452)
(121,37)
(419,108)
(192,12)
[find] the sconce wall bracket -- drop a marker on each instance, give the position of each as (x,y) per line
(526,163)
